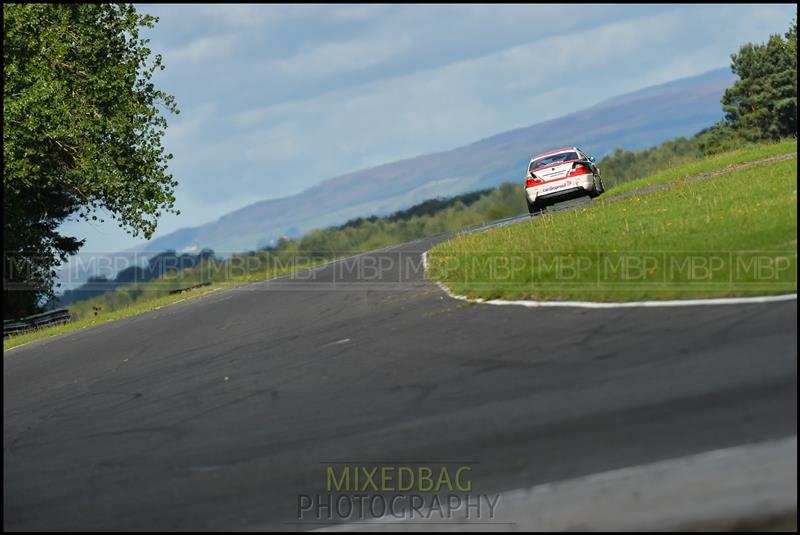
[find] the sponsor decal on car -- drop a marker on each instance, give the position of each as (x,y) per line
(556,187)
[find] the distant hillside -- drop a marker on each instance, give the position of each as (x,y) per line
(153,267)
(633,121)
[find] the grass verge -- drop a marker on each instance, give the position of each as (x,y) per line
(712,163)
(730,235)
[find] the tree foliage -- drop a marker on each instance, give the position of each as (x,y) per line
(82,135)
(762,104)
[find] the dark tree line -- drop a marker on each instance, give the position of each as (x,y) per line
(157,266)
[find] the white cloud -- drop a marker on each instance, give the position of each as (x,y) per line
(280,142)
(245,15)
(255,116)
(183,129)
(205,49)
(355,12)
(461,99)
(335,58)
(240,16)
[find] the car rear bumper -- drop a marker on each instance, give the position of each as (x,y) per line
(557,188)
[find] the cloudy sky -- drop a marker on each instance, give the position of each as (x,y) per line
(275,98)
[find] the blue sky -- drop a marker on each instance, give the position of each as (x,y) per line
(276,98)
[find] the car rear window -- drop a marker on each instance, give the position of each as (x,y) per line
(553,160)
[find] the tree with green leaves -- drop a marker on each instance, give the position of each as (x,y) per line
(82,136)
(762,104)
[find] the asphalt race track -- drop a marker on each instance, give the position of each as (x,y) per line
(217,412)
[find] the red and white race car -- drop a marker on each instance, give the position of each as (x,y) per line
(560,175)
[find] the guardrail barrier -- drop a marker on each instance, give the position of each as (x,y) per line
(51,317)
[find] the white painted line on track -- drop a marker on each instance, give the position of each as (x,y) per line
(336,343)
(620,304)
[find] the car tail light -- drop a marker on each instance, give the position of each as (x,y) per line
(578,169)
(531,180)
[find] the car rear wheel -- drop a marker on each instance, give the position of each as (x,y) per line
(534,207)
(597,187)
